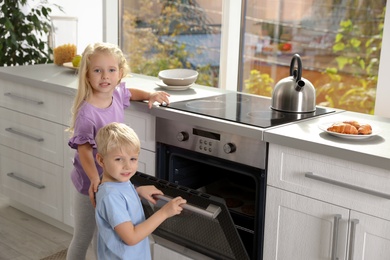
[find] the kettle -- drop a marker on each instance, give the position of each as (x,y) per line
(294,94)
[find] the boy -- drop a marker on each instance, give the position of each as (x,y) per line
(122,228)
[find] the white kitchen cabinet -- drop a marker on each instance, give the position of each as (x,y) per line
(297,227)
(306,191)
(372,238)
(32,182)
(138,117)
(31,145)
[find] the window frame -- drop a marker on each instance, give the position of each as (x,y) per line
(233,12)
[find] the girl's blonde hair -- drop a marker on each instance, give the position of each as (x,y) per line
(117,135)
(84,89)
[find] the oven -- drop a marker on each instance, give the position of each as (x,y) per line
(212,154)
(204,167)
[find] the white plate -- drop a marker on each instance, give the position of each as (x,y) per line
(69,65)
(165,86)
(375,131)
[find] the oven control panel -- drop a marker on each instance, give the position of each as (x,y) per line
(217,143)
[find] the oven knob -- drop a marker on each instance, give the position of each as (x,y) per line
(182,136)
(229,148)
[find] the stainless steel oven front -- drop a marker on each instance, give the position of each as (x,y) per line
(223,178)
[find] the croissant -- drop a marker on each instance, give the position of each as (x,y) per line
(343,128)
(364,129)
(353,122)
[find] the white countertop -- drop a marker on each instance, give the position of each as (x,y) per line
(64,80)
(305,134)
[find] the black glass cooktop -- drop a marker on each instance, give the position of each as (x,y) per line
(243,108)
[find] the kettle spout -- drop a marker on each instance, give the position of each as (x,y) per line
(299,85)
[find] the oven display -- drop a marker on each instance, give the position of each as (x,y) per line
(206,134)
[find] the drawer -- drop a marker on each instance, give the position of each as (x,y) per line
(32,182)
(32,101)
(37,137)
(344,183)
(144,124)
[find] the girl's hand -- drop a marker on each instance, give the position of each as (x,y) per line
(173,207)
(160,97)
(148,191)
(92,190)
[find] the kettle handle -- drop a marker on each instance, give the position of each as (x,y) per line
(298,74)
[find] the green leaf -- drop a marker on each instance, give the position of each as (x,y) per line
(342,61)
(362,64)
(338,47)
(339,37)
(8,25)
(346,24)
(355,42)
(331,70)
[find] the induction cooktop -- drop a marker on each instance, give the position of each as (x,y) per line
(243,108)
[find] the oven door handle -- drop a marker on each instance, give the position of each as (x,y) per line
(211,211)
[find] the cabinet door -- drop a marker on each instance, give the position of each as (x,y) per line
(147,162)
(144,124)
(297,227)
(372,238)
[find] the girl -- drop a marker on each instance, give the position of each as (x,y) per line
(101,99)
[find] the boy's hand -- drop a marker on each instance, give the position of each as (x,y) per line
(148,192)
(173,207)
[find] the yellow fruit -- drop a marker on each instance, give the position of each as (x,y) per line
(76,61)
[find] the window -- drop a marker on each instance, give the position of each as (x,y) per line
(160,35)
(339,42)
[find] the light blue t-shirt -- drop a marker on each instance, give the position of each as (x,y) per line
(116,203)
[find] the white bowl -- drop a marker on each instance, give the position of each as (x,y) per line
(178,77)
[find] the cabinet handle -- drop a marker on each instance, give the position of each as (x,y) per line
(354,222)
(311,175)
(11,130)
(9,94)
(336,225)
(38,186)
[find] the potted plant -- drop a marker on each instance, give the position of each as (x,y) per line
(25,31)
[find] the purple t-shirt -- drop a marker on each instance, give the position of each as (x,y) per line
(88,121)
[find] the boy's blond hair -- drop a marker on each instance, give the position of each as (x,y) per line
(116,135)
(84,89)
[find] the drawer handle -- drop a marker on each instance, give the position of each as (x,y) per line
(38,186)
(9,94)
(336,225)
(354,222)
(11,130)
(311,175)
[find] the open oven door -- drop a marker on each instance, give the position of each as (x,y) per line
(204,225)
